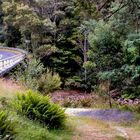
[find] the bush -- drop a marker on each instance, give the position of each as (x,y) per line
(28,74)
(131,93)
(38,107)
(49,82)
(81,102)
(7,130)
(73,99)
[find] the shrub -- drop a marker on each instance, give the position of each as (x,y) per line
(28,74)
(49,82)
(38,107)
(131,93)
(7,130)
(81,102)
(73,99)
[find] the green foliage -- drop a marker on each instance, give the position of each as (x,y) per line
(131,93)
(124,20)
(30,75)
(105,53)
(49,82)
(34,69)
(133,108)
(47,28)
(7,127)
(106,46)
(32,131)
(78,82)
(24,20)
(28,130)
(86,9)
(115,56)
(73,82)
(45,51)
(38,107)
(131,48)
(36,77)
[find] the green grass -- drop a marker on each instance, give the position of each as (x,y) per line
(31,130)
(119,138)
(27,129)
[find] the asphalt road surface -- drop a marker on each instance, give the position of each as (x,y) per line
(6,54)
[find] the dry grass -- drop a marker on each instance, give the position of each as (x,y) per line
(8,88)
(79,99)
(92,129)
(132,129)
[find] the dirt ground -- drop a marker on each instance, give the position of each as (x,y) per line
(8,88)
(91,129)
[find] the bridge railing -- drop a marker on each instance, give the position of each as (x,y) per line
(7,63)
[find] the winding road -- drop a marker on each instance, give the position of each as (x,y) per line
(9,58)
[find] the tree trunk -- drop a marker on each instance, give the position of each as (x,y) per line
(109,95)
(85,56)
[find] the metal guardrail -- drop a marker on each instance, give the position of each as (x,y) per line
(13,49)
(7,64)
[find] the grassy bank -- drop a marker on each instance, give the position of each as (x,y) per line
(76,128)
(25,128)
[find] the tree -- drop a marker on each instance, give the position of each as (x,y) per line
(2,37)
(24,19)
(65,59)
(106,53)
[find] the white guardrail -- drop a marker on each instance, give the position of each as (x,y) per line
(7,64)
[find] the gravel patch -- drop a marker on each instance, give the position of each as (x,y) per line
(106,114)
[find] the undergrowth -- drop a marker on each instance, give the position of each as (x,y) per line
(7,127)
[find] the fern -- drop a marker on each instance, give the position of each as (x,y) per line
(38,107)
(7,130)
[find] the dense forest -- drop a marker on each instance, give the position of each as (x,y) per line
(80,44)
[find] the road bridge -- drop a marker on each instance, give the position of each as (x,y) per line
(9,58)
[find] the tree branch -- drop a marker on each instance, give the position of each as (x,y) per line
(121,7)
(104,4)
